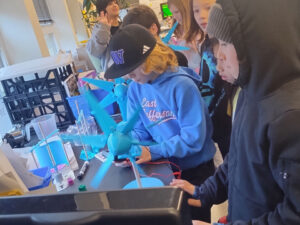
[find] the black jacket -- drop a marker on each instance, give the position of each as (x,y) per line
(261,174)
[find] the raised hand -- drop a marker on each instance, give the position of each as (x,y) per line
(103,18)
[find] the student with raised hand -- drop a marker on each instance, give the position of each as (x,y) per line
(260,176)
(180,10)
(168,94)
(108,23)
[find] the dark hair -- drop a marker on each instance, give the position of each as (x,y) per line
(102,4)
(142,15)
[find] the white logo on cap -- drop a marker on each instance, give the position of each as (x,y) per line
(145,49)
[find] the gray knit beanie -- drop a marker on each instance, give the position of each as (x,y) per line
(218,25)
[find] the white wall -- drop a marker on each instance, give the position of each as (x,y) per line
(18,34)
(155,5)
(75,12)
(62,26)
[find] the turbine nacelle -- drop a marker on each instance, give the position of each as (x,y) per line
(119,143)
(120,90)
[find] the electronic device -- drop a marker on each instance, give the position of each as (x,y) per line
(159,206)
(165,11)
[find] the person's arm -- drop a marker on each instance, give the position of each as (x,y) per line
(215,188)
(97,44)
(191,119)
(139,132)
(284,158)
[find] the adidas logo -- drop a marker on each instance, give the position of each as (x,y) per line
(145,49)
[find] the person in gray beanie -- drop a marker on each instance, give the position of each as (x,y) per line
(218,26)
(260,175)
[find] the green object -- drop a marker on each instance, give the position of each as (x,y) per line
(82,187)
(165,11)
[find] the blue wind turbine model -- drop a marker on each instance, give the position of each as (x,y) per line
(117,92)
(119,142)
(167,38)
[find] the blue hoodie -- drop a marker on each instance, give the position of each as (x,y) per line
(185,129)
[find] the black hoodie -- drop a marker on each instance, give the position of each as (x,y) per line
(261,175)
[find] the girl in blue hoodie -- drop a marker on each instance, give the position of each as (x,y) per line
(169,96)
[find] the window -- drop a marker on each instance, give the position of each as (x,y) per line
(51,44)
(42,11)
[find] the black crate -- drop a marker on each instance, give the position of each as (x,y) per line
(28,99)
(53,78)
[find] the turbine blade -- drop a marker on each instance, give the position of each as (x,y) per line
(119,80)
(122,102)
(167,38)
(132,121)
(102,171)
(179,47)
(98,141)
(108,100)
(106,123)
(105,85)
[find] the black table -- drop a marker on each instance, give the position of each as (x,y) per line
(116,177)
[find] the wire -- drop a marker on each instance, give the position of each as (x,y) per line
(177,174)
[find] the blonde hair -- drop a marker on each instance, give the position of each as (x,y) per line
(160,59)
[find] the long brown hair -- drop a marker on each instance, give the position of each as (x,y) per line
(182,7)
(194,31)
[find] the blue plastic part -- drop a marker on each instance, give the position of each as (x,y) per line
(95,141)
(118,143)
(102,171)
(120,80)
(106,123)
(84,106)
(131,122)
(108,100)
(43,140)
(117,93)
(43,172)
(105,85)
(122,102)
(179,47)
(57,151)
(147,182)
(167,38)
(89,153)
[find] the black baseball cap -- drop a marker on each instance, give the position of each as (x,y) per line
(129,47)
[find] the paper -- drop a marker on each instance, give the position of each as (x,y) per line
(9,179)
(19,165)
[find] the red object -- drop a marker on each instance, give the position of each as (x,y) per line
(223,220)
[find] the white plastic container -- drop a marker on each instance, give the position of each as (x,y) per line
(47,124)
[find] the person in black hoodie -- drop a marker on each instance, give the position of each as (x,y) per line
(260,176)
